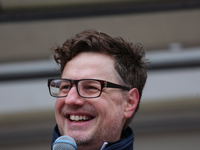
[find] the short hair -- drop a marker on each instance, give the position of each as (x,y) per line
(130,62)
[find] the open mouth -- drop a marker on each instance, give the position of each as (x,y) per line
(79,118)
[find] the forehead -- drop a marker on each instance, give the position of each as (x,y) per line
(90,65)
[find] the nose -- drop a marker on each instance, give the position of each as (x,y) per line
(73,98)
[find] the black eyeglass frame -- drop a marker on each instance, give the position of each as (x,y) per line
(102,82)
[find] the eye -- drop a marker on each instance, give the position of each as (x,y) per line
(91,87)
(65,86)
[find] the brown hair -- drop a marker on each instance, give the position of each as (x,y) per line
(130,63)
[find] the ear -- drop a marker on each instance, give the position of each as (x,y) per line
(131,102)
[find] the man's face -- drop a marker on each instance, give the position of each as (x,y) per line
(99,119)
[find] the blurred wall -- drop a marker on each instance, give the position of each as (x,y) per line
(169,112)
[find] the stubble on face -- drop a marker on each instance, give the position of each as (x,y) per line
(108,126)
(95,141)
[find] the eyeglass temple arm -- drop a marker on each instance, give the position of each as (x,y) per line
(112,85)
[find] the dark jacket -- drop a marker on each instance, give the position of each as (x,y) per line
(125,143)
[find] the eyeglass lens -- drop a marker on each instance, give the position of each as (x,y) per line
(86,88)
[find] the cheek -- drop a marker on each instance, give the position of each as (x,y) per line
(114,100)
(113,105)
(58,105)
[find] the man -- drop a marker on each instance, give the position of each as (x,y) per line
(99,90)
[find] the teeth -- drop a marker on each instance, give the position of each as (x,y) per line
(76,118)
(79,118)
(72,117)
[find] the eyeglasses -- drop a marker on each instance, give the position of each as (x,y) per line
(86,88)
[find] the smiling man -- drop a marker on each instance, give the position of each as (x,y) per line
(99,90)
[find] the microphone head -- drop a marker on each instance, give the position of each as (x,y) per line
(64,143)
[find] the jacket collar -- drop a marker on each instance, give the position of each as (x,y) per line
(125,143)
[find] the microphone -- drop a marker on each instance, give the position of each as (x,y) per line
(64,142)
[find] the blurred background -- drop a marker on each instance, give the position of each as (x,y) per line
(169,114)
